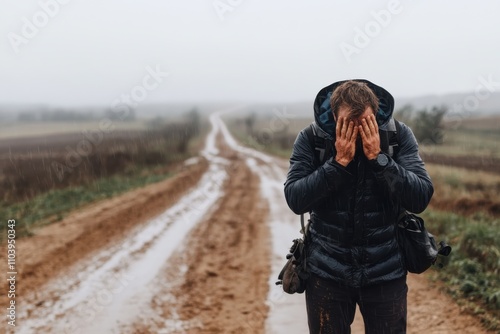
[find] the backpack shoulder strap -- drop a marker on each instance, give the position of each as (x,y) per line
(318,143)
(398,129)
(390,137)
(397,138)
(310,132)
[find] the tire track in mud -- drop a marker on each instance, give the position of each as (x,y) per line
(287,313)
(228,285)
(53,250)
(223,286)
(102,293)
(94,226)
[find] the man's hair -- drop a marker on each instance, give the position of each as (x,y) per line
(356,96)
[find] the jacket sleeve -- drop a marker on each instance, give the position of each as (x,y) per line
(405,177)
(305,184)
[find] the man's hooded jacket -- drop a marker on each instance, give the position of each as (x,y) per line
(354,208)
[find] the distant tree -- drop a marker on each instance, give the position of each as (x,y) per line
(183,133)
(404,114)
(45,116)
(250,122)
(428,127)
(123,114)
(61,115)
(26,117)
(180,134)
(194,120)
(130,117)
(156,123)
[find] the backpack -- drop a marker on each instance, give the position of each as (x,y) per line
(389,141)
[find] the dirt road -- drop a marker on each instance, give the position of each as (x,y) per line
(195,254)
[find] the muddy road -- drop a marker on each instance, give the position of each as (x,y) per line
(198,253)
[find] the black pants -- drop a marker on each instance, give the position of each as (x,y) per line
(331,306)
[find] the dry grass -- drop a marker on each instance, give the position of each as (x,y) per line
(34,129)
(453,181)
(465,191)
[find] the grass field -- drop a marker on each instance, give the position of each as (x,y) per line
(465,191)
(464,211)
(468,142)
(53,205)
(35,193)
(36,129)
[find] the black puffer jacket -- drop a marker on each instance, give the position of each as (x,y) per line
(354,209)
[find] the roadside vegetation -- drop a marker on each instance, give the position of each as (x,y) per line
(256,132)
(463,159)
(44,178)
(465,211)
(471,274)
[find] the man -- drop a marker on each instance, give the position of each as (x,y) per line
(354,198)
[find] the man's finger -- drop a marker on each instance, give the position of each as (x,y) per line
(354,134)
(343,129)
(366,128)
(372,123)
(337,128)
(340,126)
(362,132)
(349,130)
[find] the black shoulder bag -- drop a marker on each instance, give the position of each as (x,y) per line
(417,245)
(294,274)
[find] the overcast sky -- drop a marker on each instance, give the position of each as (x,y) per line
(90,52)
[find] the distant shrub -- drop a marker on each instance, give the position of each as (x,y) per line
(427,126)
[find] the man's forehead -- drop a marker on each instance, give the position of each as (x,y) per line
(368,111)
(346,112)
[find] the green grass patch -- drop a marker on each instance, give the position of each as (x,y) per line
(471,273)
(54,205)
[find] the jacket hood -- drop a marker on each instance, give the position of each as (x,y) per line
(323,112)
